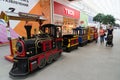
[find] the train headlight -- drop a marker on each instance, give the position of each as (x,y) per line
(27,53)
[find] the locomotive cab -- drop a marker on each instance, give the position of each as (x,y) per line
(55,31)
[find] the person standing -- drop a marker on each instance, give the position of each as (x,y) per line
(110,33)
(102,34)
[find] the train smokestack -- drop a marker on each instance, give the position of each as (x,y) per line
(28,30)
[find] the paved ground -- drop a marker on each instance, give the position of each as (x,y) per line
(92,62)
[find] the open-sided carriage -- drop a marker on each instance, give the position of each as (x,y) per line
(82,35)
(70,42)
(90,31)
(95,33)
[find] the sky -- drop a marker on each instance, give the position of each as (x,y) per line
(111,7)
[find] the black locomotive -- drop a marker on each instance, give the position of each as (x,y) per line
(37,50)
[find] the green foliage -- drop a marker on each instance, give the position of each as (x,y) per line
(109,19)
(104,19)
(99,17)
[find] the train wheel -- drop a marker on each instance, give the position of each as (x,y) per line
(68,49)
(42,63)
(82,44)
(50,59)
(96,41)
(60,54)
(56,56)
(76,47)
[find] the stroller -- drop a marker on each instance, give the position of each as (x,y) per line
(109,40)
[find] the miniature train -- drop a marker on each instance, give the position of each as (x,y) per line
(40,49)
(36,51)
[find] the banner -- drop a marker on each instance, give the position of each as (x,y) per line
(17,6)
(38,7)
(84,19)
(66,11)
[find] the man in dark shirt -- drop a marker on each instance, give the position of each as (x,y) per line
(110,31)
(110,35)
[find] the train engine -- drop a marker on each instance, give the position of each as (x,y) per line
(35,52)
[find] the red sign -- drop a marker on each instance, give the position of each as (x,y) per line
(69,12)
(66,11)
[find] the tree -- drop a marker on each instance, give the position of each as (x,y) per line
(109,19)
(99,18)
(104,19)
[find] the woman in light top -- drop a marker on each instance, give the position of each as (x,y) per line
(102,34)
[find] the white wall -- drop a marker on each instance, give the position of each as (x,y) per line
(4,6)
